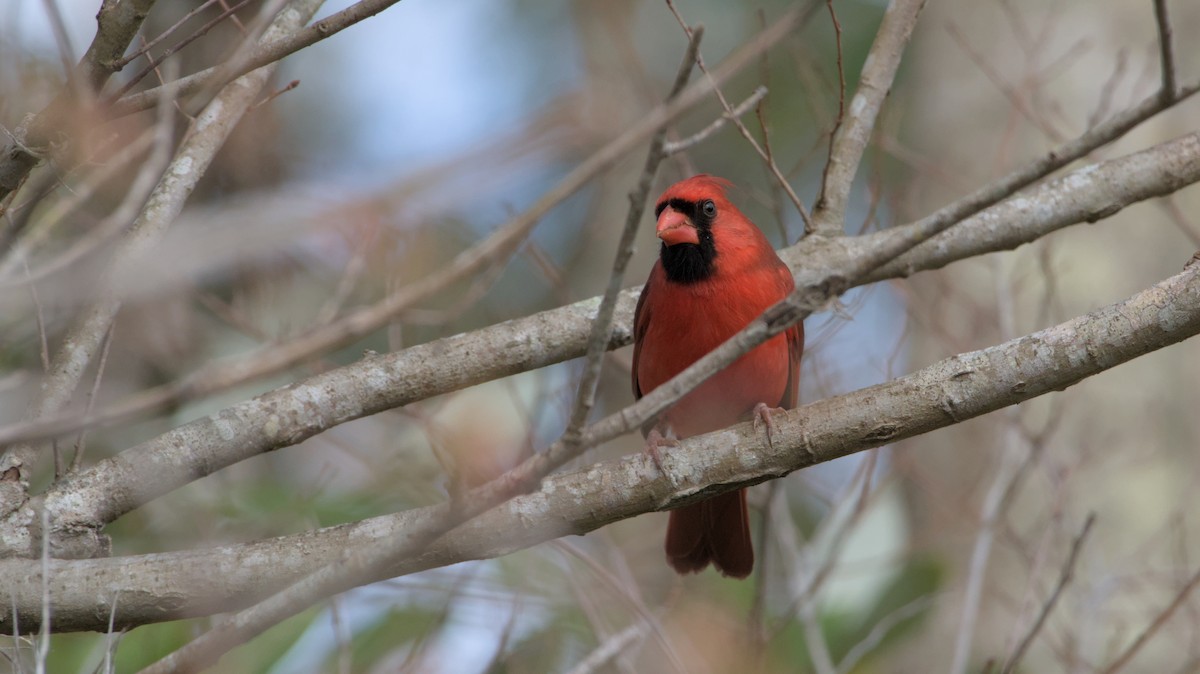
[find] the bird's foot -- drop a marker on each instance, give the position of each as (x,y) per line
(655,441)
(762,417)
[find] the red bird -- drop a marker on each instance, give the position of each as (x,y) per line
(716,272)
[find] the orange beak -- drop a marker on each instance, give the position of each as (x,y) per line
(675,227)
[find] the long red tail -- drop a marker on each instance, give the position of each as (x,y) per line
(716,530)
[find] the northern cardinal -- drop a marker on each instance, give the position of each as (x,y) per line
(716,272)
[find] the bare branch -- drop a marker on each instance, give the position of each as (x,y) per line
(958,388)
(266,361)
(166,201)
(851,138)
(137,475)
(1166,51)
(117,23)
(602,328)
(168,52)
(1153,628)
(1064,578)
(704,134)
(730,113)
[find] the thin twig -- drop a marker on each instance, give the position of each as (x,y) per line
(1190,230)
(684,144)
(841,69)
(348,281)
(815,576)
(737,122)
(1019,102)
(117,24)
(157,61)
(602,327)
(80,445)
(1068,572)
(1014,455)
(1166,51)
(798,569)
(879,631)
(1154,626)
(841,113)
(227,71)
(110,643)
(276,94)
(630,595)
(1104,104)
(43,341)
(63,40)
(147,46)
(758,609)
(44,631)
(851,138)
(23,248)
(264,54)
(507,238)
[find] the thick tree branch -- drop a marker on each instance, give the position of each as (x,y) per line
(290,414)
(165,586)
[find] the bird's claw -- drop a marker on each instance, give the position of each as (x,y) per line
(655,441)
(762,417)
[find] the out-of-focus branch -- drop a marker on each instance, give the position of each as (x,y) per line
(17,256)
(1068,572)
(172,585)
(117,485)
(1087,195)
(85,336)
(1154,627)
(702,135)
(265,54)
(117,23)
(1166,51)
(277,357)
(851,137)
(602,327)
(735,118)
(353,566)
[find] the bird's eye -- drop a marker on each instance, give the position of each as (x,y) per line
(708,208)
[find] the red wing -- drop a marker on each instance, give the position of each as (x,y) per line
(795,342)
(641,321)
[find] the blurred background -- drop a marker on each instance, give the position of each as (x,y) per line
(418,132)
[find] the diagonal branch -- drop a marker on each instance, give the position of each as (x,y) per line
(135,476)
(163,205)
(1166,51)
(945,393)
(602,328)
(278,357)
(118,21)
(1068,572)
(851,137)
